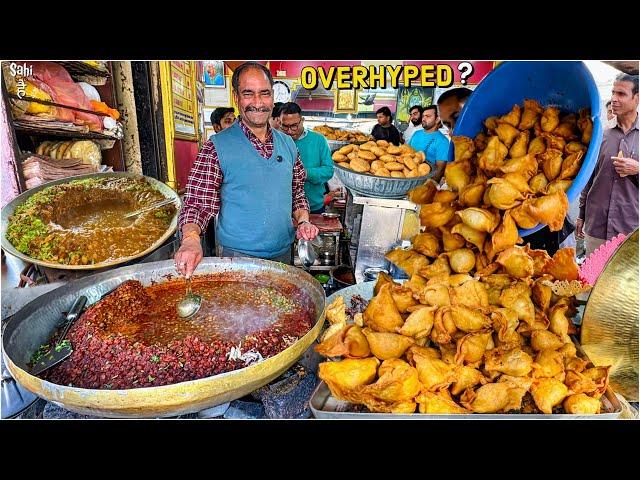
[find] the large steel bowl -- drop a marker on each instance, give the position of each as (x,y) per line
(336,145)
(379,187)
(567,85)
(8,210)
(34,324)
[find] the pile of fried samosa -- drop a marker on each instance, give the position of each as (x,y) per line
(478,327)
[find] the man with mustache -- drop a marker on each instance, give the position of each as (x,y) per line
(251,176)
(415,122)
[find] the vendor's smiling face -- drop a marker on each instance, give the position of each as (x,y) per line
(254,98)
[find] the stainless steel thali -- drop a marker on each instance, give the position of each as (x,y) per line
(8,210)
(34,324)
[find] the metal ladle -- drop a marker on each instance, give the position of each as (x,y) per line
(307,253)
(190,304)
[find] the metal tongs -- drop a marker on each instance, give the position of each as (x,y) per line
(151,207)
(63,347)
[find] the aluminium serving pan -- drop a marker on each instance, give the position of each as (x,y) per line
(34,324)
(324,405)
(9,208)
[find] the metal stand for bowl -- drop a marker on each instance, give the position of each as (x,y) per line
(376,230)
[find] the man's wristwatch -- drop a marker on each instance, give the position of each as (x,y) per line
(304,221)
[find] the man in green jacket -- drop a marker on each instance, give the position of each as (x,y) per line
(314,153)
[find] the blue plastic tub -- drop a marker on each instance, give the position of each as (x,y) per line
(567,85)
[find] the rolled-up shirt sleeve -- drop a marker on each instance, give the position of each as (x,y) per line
(202,200)
(299,177)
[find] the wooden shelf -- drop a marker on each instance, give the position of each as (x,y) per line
(54,132)
(76,69)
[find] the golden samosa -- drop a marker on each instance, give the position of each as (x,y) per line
(585,125)
(433,373)
(519,181)
(416,284)
(438,402)
(436,295)
(336,312)
(505,321)
(565,130)
(541,295)
(491,123)
(549,209)
(527,165)
(505,236)
(413,263)
(386,345)
(545,340)
(537,146)
(469,319)
(478,219)
(600,375)
(581,404)
(462,260)
(457,174)
(403,298)
(436,214)
(350,343)
(547,393)
(521,217)
(551,162)
(451,241)
(492,158)
(493,398)
(382,314)
(471,294)
(532,110)
(540,258)
(550,119)
(554,142)
(385,277)
(573,147)
(558,185)
(480,141)
(466,377)
(443,327)
(423,194)
(471,347)
(519,148)
(472,194)
(471,235)
(419,323)
(427,244)
(425,351)
(512,118)
(464,148)
(398,382)
(558,321)
(549,364)
(445,196)
(538,183)
(516,299)
(439,266)
(507,133)
(503,194)
(512,361)
(516,262)
(346,375)
(571,165)
(562,266)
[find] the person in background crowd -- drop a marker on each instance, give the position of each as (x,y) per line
(314,153)
(415,122)
(450,105)
(385,130)
(611,118)
(252,176)
(609,201)
(222,118)
(431,141)
(274,121)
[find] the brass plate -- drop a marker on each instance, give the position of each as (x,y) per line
(610,322)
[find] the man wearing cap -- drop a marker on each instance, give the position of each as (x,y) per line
(251,176)
(222,118)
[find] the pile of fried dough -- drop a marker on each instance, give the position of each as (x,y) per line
(332,133)
(482,326)
(383,159)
